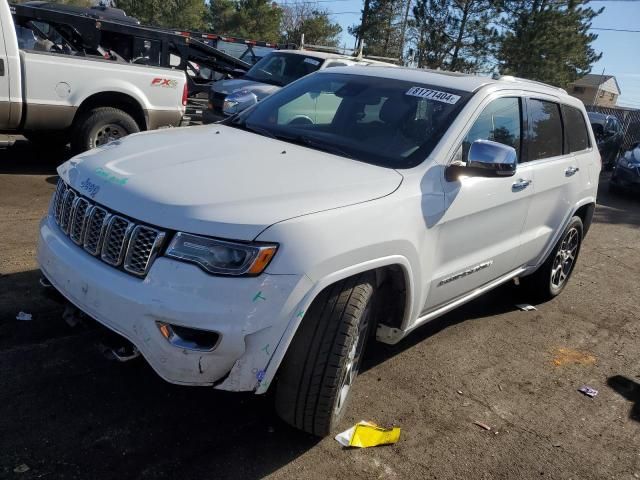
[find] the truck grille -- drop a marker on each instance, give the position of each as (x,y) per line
(118,241)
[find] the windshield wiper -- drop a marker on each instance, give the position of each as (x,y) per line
(318,145)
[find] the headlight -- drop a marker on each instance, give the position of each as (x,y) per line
(238,101)
(221,257)
(230,107)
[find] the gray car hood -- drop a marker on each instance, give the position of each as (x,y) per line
(221,181)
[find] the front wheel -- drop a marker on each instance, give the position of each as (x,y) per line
(322,362)
(552,277)
(101,126)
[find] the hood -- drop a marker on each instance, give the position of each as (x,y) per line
(261,90)
(221,181)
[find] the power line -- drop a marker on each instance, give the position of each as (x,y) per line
(615,29)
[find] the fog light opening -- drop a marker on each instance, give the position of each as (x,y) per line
(189,338)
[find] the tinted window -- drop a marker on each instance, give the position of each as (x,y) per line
(384,121)
(575,129)
(281,69)
(545,129)
(499,122)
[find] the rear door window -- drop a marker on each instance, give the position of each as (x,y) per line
(545,137)
(575,129)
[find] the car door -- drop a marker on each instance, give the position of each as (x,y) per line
(479,233)
(556,178)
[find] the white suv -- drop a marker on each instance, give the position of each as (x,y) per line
(263,252)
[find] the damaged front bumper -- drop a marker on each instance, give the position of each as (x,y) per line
(249,314)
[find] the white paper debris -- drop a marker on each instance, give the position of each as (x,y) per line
(525,307)
(344,438)
(22,316)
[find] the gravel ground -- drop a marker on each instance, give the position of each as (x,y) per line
(67,412)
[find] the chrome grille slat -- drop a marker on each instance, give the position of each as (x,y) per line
(116,240)
(78,220)
(143,248)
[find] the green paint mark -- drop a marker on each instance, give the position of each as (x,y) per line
(101,172)
(258,296)
(266,349)
(300,314)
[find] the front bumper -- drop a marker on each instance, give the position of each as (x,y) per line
(249,314)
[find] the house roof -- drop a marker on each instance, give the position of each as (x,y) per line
(607,83)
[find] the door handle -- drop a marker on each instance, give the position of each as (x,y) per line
(570,171)
(520,185)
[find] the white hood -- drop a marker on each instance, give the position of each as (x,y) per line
(221,181)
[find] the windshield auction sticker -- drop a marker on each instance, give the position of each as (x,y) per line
(436,95)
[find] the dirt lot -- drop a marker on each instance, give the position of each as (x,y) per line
(67,412)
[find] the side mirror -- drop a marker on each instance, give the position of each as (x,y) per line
(486,159)
(238,101)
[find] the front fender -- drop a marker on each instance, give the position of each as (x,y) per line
(294,322)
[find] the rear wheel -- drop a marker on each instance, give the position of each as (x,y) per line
(322,363)
(101,126)
(552,277)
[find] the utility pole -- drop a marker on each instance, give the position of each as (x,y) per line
(404,28)
(363,25)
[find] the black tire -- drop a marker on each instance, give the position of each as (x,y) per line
(328,345)
(100,125)
(547,282)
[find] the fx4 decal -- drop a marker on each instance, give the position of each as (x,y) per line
(164,82)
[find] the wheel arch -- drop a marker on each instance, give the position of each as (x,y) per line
(392,273)
(113,99)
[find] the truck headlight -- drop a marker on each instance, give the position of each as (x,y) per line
(221,257)
(238,101)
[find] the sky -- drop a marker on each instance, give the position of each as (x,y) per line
(621,50)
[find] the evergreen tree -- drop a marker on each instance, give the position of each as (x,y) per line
(315,24)
(454,34)
(548,40)
(382,32)
(184,14)
(258,19)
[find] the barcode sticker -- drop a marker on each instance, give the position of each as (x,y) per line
(436,95)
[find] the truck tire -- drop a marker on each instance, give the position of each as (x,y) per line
(323,359)
(552,277)
(100,126)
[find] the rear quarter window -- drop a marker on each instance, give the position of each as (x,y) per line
(575,129)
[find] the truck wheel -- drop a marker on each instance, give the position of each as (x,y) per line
(100,126)
(318,370)
(551,278)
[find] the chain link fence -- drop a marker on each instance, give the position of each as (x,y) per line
(628,118)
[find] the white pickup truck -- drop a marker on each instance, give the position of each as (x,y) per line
(53,94)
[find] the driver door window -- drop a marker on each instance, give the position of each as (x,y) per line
(500,122)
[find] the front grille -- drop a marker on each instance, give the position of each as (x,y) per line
(118,241)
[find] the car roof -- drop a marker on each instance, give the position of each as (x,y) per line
(454,80)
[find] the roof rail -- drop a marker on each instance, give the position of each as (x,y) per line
(356,53)
(511,78)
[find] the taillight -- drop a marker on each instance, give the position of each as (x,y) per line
(185,93)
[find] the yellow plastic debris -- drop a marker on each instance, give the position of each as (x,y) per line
(366,434)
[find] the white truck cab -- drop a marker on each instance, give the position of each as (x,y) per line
(263,252)
(52,94)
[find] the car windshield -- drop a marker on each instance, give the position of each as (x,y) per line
(387,122)
(282,68)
